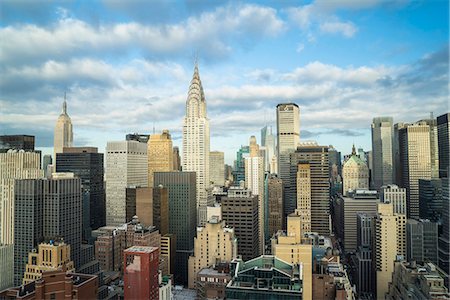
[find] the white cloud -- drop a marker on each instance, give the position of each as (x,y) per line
(347,29)
(69,36)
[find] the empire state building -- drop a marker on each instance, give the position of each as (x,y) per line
(196,142)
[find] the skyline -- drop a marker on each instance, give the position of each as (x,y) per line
(251,57)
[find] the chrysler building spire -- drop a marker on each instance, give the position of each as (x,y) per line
(196,142)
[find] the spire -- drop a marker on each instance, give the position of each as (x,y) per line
(353,149)
(195,104)
(64,110)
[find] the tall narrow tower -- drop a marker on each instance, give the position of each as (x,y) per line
(196,142)
(63,132)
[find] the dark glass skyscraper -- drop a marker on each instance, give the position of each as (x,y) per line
(182,215)
(87,163)
(18,142)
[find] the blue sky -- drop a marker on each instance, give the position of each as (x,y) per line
(126,66)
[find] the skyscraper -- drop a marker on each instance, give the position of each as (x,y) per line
(46,209)
(87,163)
(434,148)
(382,151)
(304,195)
(268,142)
(196,142)
(240,211)
(422,241)
(254,181)
(317,157)
(443,124)
(182,215)
(215,243)
(385,245)
(126,165)
(365,279)
(217,168)
(275,205)
(176,159)
(415,156)
(63,131)
(239,165)
(160,154)
(355,174)
(288,137)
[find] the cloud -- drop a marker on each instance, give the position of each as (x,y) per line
(300,47)
(347,29)
(71,37)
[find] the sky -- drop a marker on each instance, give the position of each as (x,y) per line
(126,67)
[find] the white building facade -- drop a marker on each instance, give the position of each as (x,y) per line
(196,143)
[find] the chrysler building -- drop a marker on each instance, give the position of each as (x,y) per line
(196,142)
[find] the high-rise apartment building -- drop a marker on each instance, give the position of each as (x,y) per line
(49,256)
(16,142)
(63,131)
(422,241)
(126,165)
(181,187)
(160,154)
(217,168)
(268,142)
(355,174)
(288,138)
(215,243)
(415,157)
(443,124)
(140,276)
(385,245)
(46,209)
(275,204)
(87,163)
(240,211)
(254,181)
(317,157)
(196,142)
(382,151)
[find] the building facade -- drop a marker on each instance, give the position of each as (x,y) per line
(126,165)
(415,157)
(240,211)
(422,241)
(215,243)
(140,276)
(87,163)
(382,151)
(181,187)
(275,205)
(288,138)
(217,168)
(317,157)
(160,154)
